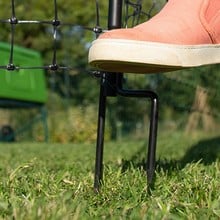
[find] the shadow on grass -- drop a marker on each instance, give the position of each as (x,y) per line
(206,151)
(138,160)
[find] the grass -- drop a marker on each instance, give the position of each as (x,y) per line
(54,181)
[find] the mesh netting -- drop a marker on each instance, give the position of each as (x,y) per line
(13,21)
(140,10)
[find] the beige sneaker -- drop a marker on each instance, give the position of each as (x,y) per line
(185,33)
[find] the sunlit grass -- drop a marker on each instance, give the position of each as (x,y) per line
(55,181)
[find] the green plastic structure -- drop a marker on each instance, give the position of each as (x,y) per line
(24,85)
(22,88)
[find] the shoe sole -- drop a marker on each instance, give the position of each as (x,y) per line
(116,55)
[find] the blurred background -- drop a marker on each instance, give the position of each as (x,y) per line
(189,100)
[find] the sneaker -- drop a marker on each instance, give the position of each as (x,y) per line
(183,34)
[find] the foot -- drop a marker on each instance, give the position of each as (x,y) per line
(183,34)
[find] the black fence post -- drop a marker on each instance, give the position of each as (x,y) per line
(108,87)
(114,22)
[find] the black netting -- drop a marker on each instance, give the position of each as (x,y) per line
(137,11)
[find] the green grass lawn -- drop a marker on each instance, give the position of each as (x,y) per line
(55,181)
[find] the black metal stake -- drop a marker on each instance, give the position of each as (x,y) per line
(152,139)
(100,134)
